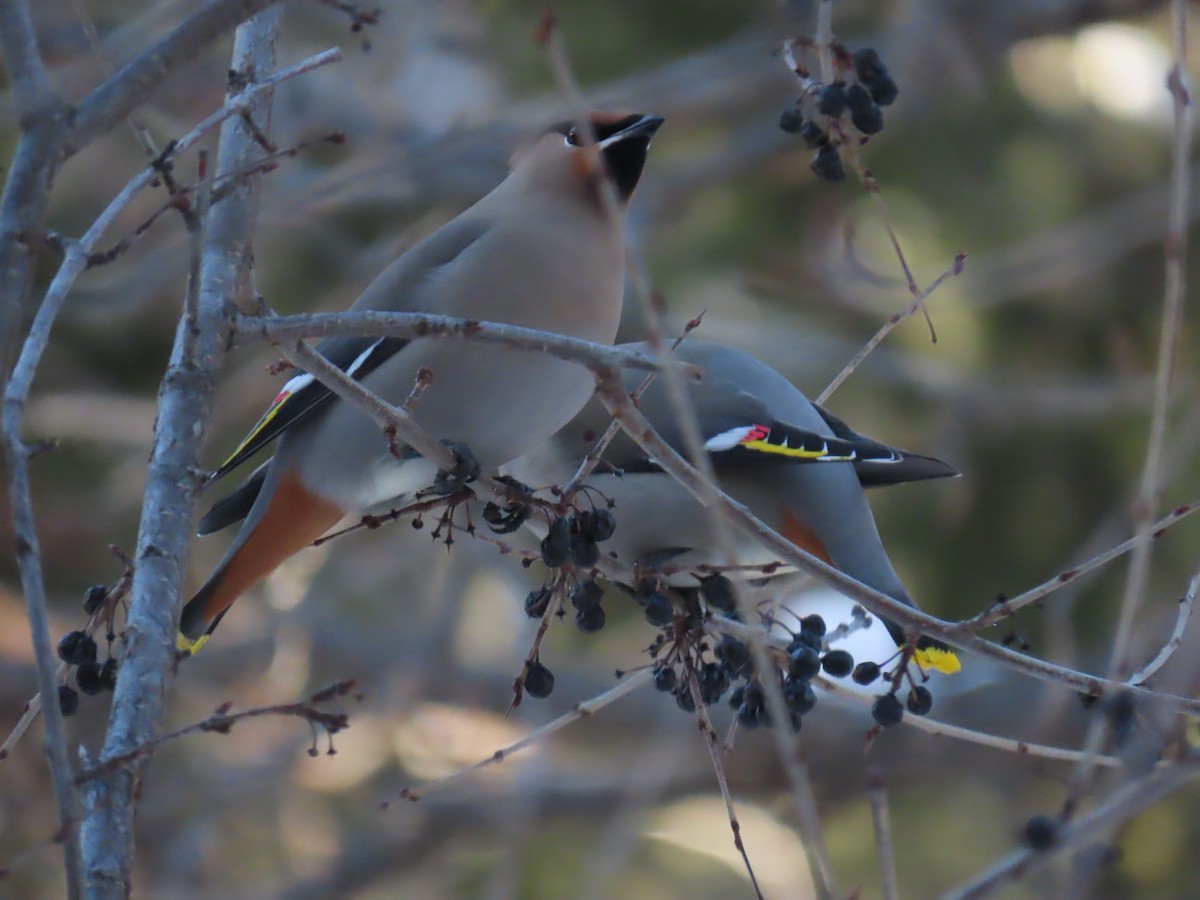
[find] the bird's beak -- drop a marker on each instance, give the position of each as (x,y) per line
(643,128)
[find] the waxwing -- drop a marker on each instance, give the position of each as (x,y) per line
(545,249)
(796,466)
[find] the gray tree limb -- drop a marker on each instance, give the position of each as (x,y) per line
(184,411)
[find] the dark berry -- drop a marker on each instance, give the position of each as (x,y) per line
(919,701)
(714,681)
(814,135)
(800,697)
(537,601)
(684,699)
(736,696)
(869,120)
(827,165)
(718,593)
(806,638)
(94,597)
(589,621)
(586,595)
(754,694)
(584,551)
(887,710)
(791,120)
(664,679)
(1040,833)
(108,675)
(833,100)
(813,623)
(865,673)
(598,524)
(764,717)
(803,663)
(659,611)
(556,546)
(539,681)
(76,648)
(867,64)
(87,677)
(68,646)
(734,654)
(68,699)
(747,716)
(858,98)
(837,663)
(884,90)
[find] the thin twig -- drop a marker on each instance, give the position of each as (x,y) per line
(1146,672)
(628,684)
(938,728)
(881,821)
(955,269)
(592,458)
(376,323)
(1174,289)
(1131,800)
(1000,611)
(222,722)
(823,37)
(685,415)
(109,103)
(713,743)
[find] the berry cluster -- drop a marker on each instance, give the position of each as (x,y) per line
(718,667)
(79,651)
(862,88)
(887,710)
(574,538)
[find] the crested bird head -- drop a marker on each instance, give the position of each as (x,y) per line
(608,143)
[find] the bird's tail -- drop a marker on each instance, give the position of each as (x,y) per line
(292,518)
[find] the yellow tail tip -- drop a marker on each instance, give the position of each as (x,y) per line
(190,646)
(940,659)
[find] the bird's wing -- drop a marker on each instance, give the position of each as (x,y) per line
(397,288)
(879,465)
(303,394)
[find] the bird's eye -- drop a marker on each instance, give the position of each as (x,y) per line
(572,138)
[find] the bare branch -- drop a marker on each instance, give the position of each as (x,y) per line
(917,303)
(164,533)
(1134,798)
(882,822)
(112,101)
(222,722)
(26,72)
(1186,602)
(1000,611)
(628,684)
(284,330)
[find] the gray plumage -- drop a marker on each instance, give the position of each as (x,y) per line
(541,251)
(659,520)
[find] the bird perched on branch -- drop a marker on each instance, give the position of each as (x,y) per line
(545,249)
(793,464)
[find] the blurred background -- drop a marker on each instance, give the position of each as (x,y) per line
(1034,136)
